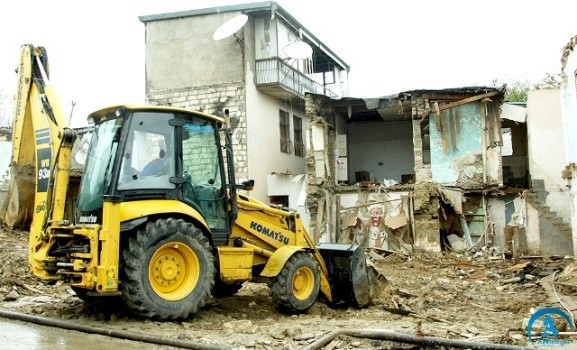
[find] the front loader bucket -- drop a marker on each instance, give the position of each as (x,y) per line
(352,281)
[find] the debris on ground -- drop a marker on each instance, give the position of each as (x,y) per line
(454,296)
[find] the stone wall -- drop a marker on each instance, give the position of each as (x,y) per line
(213,99)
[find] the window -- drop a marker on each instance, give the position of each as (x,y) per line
(279,200)
(285,138)
(298,132)
(148,160)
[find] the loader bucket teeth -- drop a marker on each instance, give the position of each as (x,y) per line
(352,281)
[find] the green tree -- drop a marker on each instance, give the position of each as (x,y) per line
(517,91)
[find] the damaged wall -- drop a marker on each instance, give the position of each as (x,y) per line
(426,217)
(456,146)
(468,209)
(320,170)
(460,155)
(378,219)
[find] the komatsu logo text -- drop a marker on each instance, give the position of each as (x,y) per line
(90,219)
(268,232)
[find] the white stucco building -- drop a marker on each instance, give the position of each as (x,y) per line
(247,59)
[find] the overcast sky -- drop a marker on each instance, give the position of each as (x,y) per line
(96,49)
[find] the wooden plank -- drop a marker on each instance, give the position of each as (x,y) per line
(467,100)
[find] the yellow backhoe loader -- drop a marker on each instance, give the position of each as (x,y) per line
(158,218)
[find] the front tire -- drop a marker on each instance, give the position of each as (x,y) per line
(168,270)
(296,288)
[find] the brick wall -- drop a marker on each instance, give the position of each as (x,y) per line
(213,99)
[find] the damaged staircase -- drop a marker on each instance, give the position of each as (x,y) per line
(555,234)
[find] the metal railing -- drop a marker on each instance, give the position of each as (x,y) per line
(276,71)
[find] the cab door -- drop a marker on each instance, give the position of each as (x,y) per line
(203,173)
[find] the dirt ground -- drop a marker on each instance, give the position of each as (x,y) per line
(475,297)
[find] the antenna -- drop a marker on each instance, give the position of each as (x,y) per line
(298,50)
(230,27)
(71,110)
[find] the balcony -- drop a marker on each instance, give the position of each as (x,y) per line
(276,78)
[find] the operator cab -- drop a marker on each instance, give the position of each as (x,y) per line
(155,153)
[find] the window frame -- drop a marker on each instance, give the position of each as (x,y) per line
(299,143)
(285,132)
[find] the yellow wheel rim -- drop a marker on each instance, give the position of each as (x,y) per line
(173,271)
(303,283)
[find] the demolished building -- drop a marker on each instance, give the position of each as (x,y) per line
(432,170)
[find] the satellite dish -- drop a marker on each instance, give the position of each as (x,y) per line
(229,27)
(81,154)
(298,50)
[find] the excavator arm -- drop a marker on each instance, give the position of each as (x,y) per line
(41,145)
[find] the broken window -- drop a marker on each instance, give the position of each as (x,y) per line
(285,139)
(298,135)
(507,147)
(514,154)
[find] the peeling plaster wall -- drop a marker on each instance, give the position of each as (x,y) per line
(456,146)
(375,218)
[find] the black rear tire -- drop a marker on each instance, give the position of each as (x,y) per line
(296,288)
(221,290)
(168,270)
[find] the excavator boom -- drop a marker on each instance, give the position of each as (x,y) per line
(39,133)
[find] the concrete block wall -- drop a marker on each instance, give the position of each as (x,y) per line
(213,99)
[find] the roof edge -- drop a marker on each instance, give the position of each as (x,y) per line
(208,11)
(255,6)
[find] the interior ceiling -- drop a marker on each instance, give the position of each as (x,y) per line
(398,107)
(363,110)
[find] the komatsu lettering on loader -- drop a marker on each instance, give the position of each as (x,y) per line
(157,218)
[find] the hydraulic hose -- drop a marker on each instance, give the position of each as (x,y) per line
(318,344)
(146,338)
(409,339)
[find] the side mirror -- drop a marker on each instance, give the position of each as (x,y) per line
(248,185)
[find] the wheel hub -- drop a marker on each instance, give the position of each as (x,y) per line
(168,270)
(303,283)
(173,272)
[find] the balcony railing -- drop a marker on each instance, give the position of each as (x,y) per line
(274,73)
